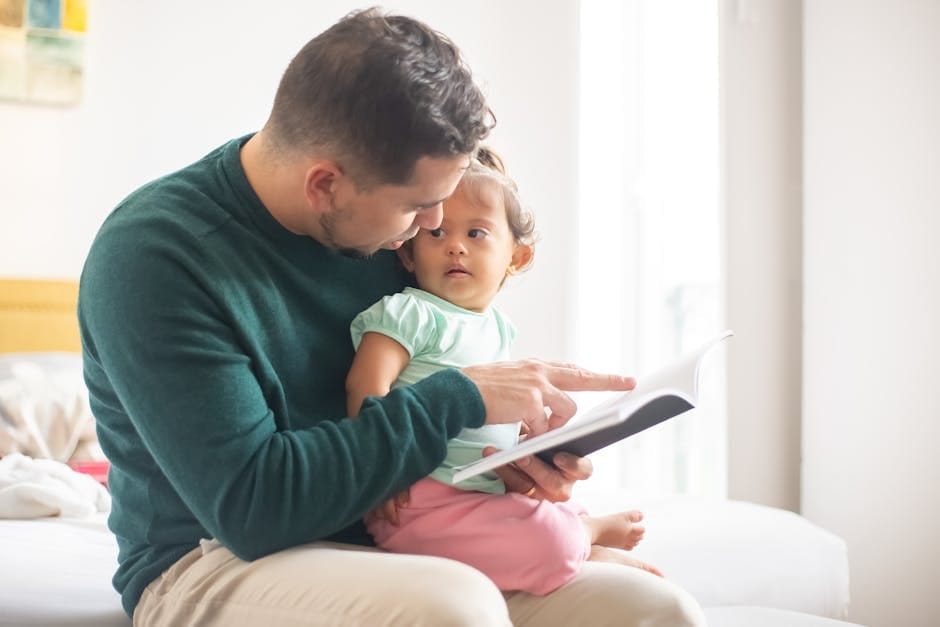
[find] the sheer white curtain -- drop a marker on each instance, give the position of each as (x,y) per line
(649,266)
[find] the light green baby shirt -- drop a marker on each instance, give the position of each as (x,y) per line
(439,335)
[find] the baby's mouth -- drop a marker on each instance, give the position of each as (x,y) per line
(457,271)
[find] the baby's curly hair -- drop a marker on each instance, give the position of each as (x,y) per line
(488,167)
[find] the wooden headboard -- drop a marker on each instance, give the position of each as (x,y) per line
(38,315)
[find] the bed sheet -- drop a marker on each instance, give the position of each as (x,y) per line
(57,573)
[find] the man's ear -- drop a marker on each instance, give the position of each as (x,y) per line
(320,184)
(521,258)
(407,259)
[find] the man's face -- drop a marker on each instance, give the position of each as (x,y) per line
(361,223)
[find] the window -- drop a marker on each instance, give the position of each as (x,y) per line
(649,264)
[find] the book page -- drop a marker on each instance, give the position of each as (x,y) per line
(680,378)
(649,401)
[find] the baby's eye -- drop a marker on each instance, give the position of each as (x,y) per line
(476,233)
(435,233)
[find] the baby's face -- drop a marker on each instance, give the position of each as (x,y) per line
(466,259)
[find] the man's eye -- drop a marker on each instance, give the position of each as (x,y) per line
(436,232)
(476,233)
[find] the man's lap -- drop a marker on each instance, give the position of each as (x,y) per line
(335,584)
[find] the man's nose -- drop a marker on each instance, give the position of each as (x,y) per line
(431,217)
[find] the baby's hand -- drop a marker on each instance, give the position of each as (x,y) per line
(389,509)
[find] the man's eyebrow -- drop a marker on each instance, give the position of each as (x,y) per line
(435,203)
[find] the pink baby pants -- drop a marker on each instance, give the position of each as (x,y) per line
(519,542)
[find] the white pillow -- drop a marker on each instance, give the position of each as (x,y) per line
(44,409)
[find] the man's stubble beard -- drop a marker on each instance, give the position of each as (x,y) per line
(328,226)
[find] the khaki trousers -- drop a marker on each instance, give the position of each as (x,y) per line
(326,584)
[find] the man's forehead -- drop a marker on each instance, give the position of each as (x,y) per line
(436,179)
(431,166)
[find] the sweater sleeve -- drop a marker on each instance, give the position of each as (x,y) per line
(184,413)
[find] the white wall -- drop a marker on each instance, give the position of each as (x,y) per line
(761,127)
(871,408)
(843,98)
(168,81)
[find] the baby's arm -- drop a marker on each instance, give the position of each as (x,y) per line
(378,362)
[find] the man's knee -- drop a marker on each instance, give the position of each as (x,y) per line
(679,609)
(661,603)
(457,596)
(605,594)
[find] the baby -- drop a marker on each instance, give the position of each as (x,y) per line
(522,542)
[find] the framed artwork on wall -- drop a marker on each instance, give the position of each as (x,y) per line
(42,49)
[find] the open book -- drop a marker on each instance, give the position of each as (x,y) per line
(657,397)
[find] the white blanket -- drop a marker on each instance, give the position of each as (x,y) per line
(34,488)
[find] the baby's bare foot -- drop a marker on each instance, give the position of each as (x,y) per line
(618,530)
(604,554)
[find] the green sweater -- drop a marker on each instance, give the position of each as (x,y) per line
(216,346)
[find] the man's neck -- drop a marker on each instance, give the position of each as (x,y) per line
(278,184)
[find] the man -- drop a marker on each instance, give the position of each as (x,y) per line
(215,306)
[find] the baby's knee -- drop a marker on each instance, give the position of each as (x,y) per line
(543,563)
(554,546)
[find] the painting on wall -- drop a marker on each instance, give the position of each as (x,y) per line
(42,45)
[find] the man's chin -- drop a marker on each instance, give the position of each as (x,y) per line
(329,241)
(355,253)
(395,244)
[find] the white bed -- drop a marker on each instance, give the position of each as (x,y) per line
(56,570)
(57,573)
(746,564)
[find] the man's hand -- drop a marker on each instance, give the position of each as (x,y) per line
(389,509)
(535,478)
(523,390)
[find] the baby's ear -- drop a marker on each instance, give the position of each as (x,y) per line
(405,256)
(521,258)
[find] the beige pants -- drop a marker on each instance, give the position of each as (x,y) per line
(336,584)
